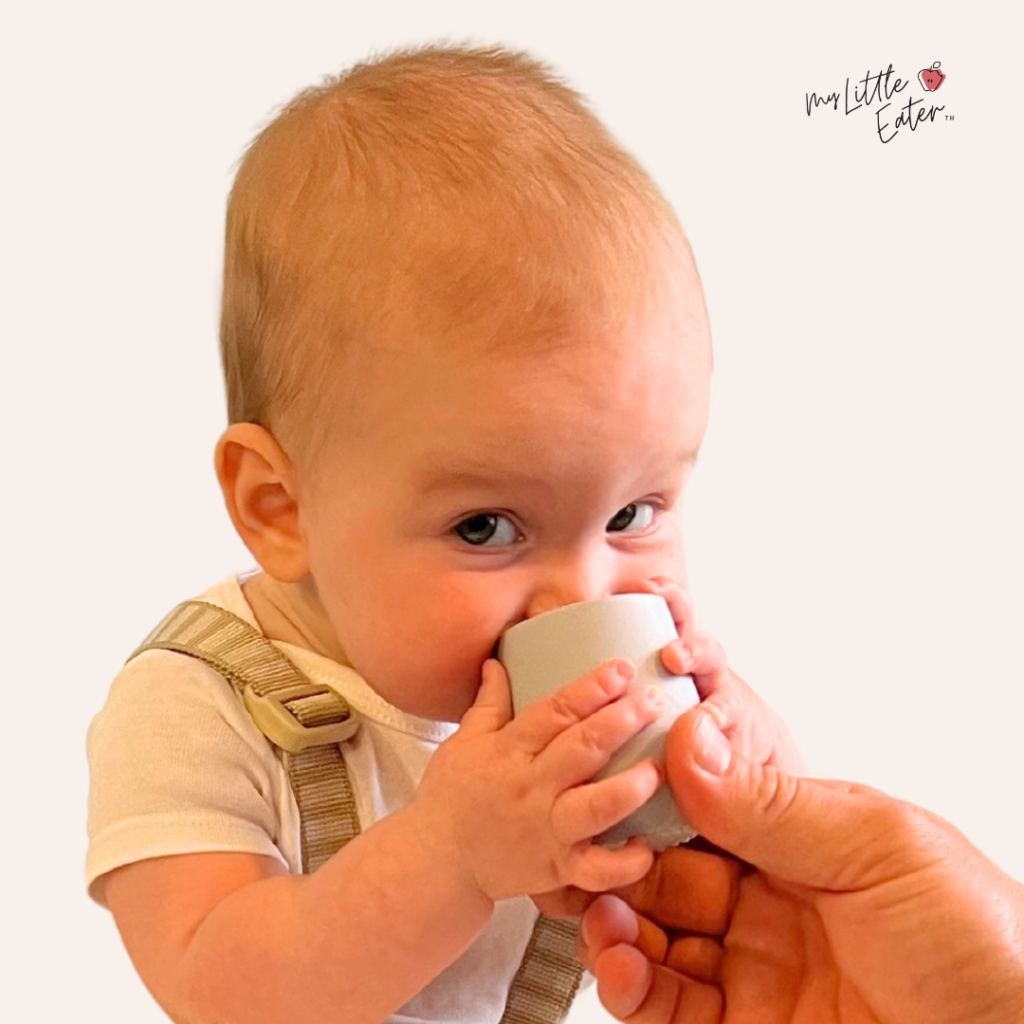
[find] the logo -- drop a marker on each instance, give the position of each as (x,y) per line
(875,93)
(931,78)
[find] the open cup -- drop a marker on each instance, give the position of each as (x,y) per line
(549,651)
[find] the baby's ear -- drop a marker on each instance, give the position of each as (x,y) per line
(257,480)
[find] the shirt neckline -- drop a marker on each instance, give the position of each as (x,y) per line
(345,681)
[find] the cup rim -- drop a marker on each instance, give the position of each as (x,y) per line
(577,604)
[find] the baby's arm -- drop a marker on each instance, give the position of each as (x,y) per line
(502,810)
(226,937)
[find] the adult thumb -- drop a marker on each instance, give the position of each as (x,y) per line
(818,833)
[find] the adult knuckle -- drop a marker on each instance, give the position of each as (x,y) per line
(930,838)
(776,794)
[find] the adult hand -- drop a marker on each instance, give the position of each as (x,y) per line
(862,908)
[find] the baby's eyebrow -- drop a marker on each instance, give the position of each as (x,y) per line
(450,476)
(459,475)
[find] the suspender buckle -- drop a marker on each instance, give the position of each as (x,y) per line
(284,730)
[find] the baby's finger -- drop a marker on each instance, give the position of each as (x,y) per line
(679,603)
(684,615)
(700,656)
(492,707)
(598,869)
(584,811)
(536,726)
(751,725)
(581,751)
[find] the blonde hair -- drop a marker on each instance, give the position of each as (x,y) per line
(469,185)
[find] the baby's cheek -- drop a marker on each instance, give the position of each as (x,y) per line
(466,627)
(472,610)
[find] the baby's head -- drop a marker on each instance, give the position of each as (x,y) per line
(467,359)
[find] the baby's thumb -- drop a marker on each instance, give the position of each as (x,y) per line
(492,707)
(813,832)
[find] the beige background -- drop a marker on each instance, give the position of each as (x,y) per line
(855,521)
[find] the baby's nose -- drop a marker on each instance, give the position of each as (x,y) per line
(545,603)
(568,589)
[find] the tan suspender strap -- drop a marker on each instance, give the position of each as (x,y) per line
(309,722)
(306,720)
(546,982)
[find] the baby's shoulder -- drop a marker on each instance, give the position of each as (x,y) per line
(177,766)
(162,694)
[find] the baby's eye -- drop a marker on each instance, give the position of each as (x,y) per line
(479,529)
(628,515)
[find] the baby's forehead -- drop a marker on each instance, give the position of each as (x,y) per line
(455,298)
(553,343)
(547,411)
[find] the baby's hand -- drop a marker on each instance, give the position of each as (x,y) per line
(679,604)
(570,901)
(753,729)
(513,796)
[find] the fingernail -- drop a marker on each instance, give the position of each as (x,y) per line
(655,697)
(685,654)
(711,749)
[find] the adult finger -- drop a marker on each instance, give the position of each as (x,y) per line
(697,956)
(826,835)
(609,921)
(687,890)
(635,991)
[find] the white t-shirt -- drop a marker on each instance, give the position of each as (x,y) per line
(178,766)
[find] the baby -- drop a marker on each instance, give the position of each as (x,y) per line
(468,369)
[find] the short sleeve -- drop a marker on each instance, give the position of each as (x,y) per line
(177,766)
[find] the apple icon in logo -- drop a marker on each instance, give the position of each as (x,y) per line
(931,78)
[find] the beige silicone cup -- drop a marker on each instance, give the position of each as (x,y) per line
(549,651)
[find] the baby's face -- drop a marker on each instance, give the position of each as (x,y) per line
(479,490)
